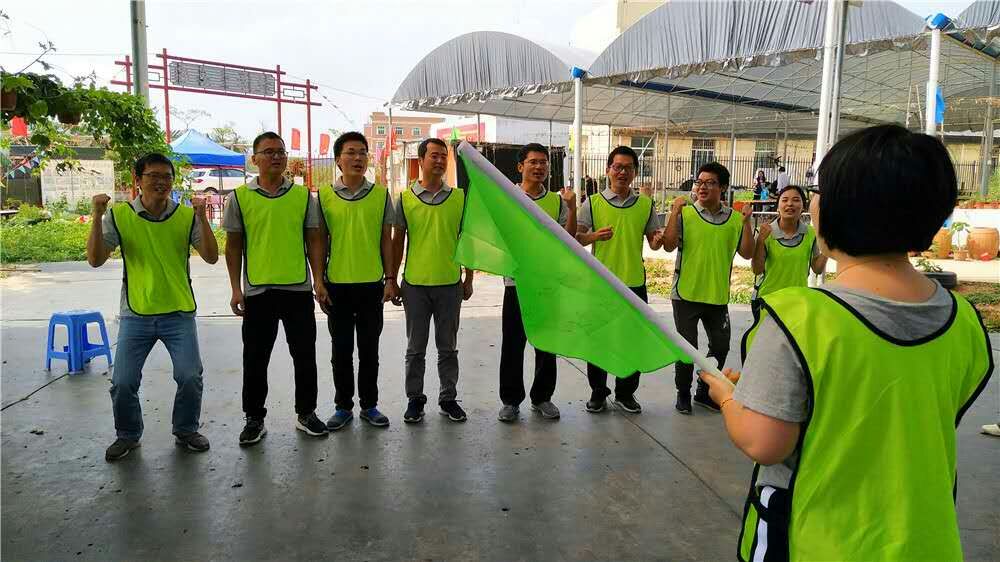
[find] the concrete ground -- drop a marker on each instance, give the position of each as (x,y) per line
(657,486)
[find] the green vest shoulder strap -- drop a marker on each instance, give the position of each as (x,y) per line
(551,203)
(156,276)
(274,236)
(870,392)
(355,227)
(431,238)
(786,266)
(622,254)
(707,253)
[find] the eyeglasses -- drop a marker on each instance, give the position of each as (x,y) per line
(619,169)
(159,177)
(273,153)
(537,162)
(706,183)
(355,154)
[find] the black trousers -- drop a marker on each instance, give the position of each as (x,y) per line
(260,327)
(355,307)
(512,345)
(598,377)
(715,319)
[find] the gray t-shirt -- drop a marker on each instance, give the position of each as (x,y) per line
(388,216)
(232,221)
(773,383)
(429,197)
(787,240)
(112,239)
(718,217)
(563,218)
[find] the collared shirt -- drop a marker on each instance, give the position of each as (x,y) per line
(112,239)
(585,216)
(232,221)
(388,216)
(793,239)
(429,197)
(720,216)
(562,220)
(782,181)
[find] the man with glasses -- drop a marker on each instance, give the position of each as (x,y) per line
(615,221)
(428,217)
(706,235)
(157,302)
(269,222)
(533,164)
(358,218)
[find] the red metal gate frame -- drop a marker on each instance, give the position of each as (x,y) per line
(277,99)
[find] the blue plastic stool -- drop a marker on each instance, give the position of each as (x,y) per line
(80,349)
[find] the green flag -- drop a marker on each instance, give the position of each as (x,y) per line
(570,303)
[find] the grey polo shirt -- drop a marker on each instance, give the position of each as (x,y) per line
(232,221)
(112,239)
(388,216)
(585,215)
(718,217)
(562,220)
(429,197)
(787,240)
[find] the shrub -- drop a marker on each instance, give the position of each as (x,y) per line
(29,214)
(56,240)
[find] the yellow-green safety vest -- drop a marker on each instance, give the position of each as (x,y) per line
(786,266)
(274,235)
(355,227)
(706,262)
(622,254)
(432,235)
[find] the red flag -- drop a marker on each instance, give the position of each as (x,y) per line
(296,139)
(18,128)
(324,143)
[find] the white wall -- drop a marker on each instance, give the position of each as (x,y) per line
(97,176)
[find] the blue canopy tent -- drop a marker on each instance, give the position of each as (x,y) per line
(203,152)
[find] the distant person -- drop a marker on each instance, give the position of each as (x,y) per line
(428,216)
(782,180)
(533,165)
(157,302)
(351,280)
(850,394)
(615,221)
(270,222)
(759,185)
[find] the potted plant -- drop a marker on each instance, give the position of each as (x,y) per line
(960,230)
(69,106)
(12,84)
(947,279)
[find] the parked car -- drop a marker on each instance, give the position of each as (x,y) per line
(220,179)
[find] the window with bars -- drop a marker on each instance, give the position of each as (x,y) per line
(380,130)
(763,154)
(644,147)
(702,152)
(399,130)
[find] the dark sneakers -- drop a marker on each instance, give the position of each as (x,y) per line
(683,404)
(375,417)
(119,449)
(310,425)
(252,432)
(596,406)
(628,404)
(339,419)
(414,412)
(705,401)
(192,441)
(454,412)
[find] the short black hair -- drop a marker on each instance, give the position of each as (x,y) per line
(802,192)
(265,136)
(522,154)
(885,190)
(627,151)
(781,168)
(338,145)
(422,148)
(719,170)
(152,158)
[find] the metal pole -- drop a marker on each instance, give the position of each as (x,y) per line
(578,132)
(309,135)
(784,144)
(550,154)
(141,87)
(128,73)
(388,146)
(826,87)
(166,93)
(987,167)
(277,83)
(909,98)
(838,74)
(479,129)
(932,82)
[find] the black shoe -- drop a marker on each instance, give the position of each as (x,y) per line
(705,401)
(253,432)
(596,405)
(414,412)
(628,404)
(683,404)
(193,441)
(310,425)
(119,449)
(454,412)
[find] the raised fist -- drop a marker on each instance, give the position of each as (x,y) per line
(99,204)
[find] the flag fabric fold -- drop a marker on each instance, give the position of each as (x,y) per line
(571,304)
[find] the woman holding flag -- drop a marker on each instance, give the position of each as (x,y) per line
(850,394)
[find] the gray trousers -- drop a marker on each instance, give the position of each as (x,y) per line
(443,304)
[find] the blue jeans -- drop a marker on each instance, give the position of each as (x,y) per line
(136,338)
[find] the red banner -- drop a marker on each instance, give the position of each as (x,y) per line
(324,144)
(18,128)
(296,139)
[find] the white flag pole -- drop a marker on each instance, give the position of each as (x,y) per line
(468,152)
